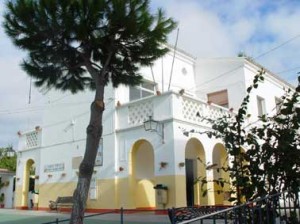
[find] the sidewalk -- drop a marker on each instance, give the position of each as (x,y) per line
(13,216)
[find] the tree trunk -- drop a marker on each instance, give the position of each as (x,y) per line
(94,133)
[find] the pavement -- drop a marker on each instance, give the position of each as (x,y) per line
(13,216)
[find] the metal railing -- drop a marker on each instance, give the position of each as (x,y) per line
(121,216)
(57,220)
(278,208)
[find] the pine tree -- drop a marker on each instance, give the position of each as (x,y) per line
(72,45)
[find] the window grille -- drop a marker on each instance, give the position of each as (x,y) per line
(32,140)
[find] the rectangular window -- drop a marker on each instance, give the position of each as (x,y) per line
(134,93)
(261,106)
(93,189)
(99,156)
(219,98)
(140,91)
(76,162)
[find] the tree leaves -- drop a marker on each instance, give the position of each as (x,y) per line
(67,40)
(8,161)
(270,162)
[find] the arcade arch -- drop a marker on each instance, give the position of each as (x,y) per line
(142,174)
(195,163)
(28,185)
(220,173)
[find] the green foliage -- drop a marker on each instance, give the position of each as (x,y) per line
(219,181)
(275,161)
(8,161)
(230,130)
(77,44)
(2,197)
(270,160)
(66,40)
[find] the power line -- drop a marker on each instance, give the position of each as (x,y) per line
(63,121)
(279,46)
(288,70)
(39,108)
(62,97)
(258,56)
(75,117)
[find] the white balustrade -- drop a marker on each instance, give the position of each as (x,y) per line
(169,105)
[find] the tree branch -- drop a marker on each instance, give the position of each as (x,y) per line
(93,64)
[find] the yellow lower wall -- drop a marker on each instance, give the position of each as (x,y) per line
(127,192)
(51,191)
(18,197)
(106,195)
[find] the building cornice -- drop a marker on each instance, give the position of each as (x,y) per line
(269,73)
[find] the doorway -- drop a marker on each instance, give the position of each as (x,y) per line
(28,184)
(190,178)
(194,171)
(142,174)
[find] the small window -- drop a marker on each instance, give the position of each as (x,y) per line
(93,189)
(76,162)
(134,93)
(219,98)
(261,106)
(140,91)
(99,156)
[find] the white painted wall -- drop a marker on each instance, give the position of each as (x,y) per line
(182,75)
(269,89)
(213,75)
(66,117)
(64,134)
(8,190)
(236,75)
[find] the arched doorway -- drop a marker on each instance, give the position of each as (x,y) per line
(142,170)
(28,184)
(195,173)
(221,175)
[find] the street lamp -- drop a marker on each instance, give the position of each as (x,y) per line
(154,126)
(151,125)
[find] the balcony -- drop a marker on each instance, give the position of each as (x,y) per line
(167,106)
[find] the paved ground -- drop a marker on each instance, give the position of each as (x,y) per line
(12,216)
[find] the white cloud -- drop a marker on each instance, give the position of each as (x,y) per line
(14,93)
(201,32)
(223,28)
(211,28)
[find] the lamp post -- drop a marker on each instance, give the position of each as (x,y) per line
(154,126)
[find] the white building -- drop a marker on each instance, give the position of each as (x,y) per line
(131,160)
(6,188)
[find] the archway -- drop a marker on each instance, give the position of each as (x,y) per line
(221,175)
(142,170)
(195,173)
(28,184)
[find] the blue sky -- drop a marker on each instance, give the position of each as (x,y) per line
(207,28)
(217,28)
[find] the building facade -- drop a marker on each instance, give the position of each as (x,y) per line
(6,188)
(131,160)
